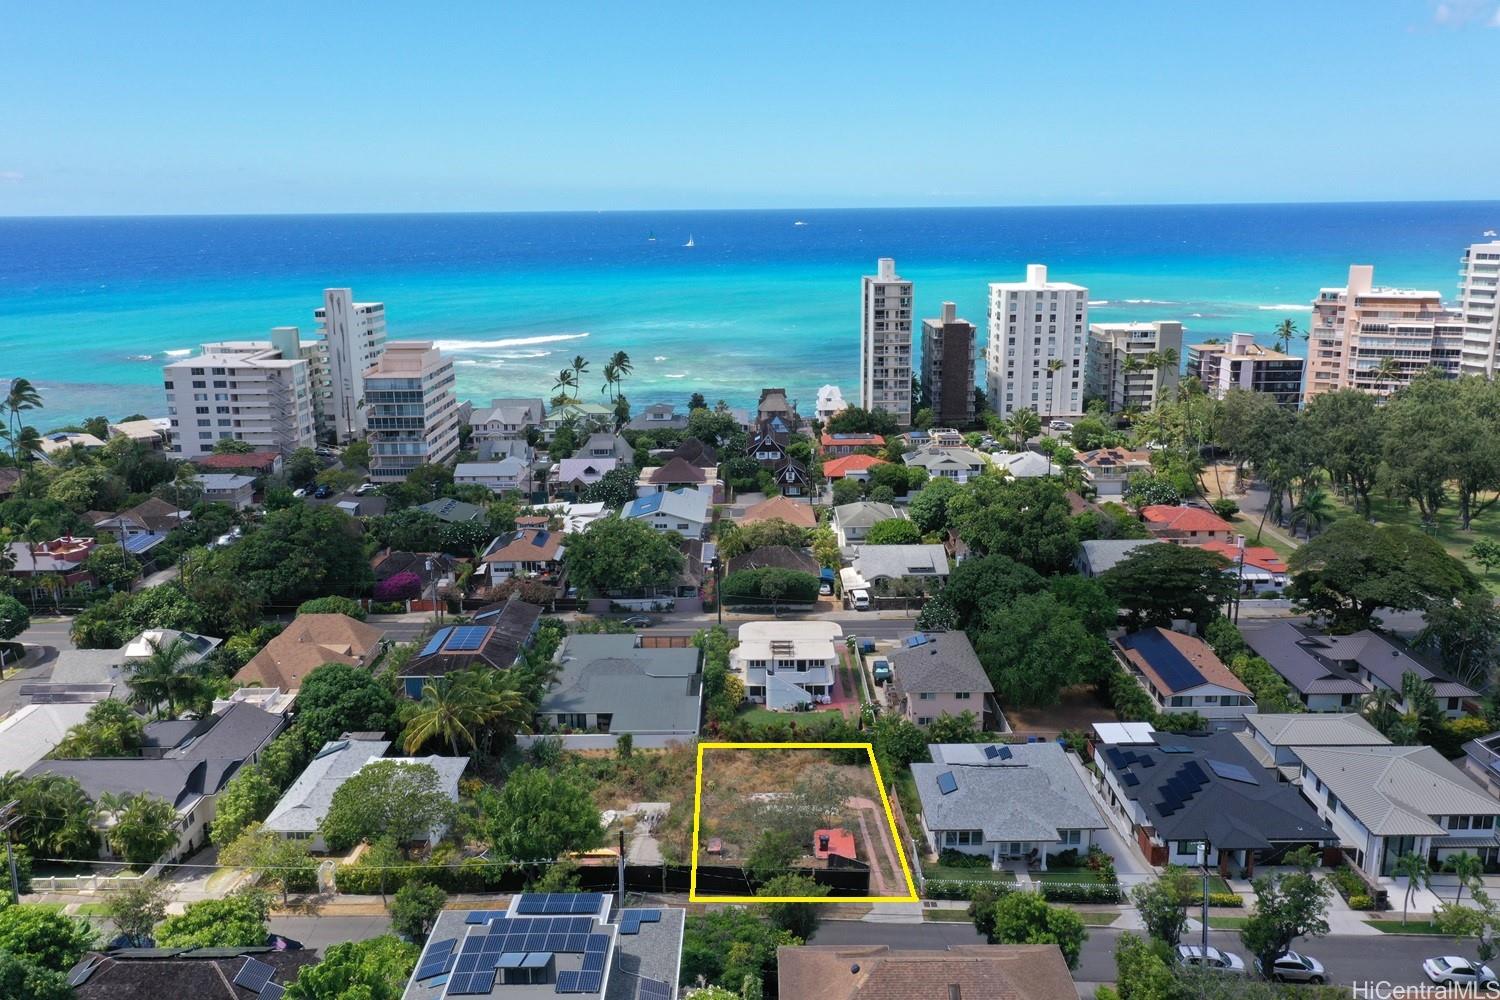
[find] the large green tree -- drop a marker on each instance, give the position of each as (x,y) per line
(1035,647)
(415,909)
(1028,520)
(621,555)
(982,584)
(24,980)
(301,552)
(1026,918)
(1355,568)
(1346,427)
(109,729)
(249,796)
(1287,906)
(141,828)
(538,815)
(403,801)
(375,969)
(724,946)
(278,863)
(1156,584)
(341,698)
(137,907)
(44,935)
(236,921)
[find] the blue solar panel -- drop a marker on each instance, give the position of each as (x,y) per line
(576,942)
(1147,762)
(1131,780)
(467,963)
(567,982)
(1175,670)
(947,784)
(1115,756)
(557,904)
(654,989)
(510,960)
(587,902)
(522,925)
(1233,772)
(1174,748)
(272,991)
(254,974)
(473,944)
(467,638)
(537,960)
(579,925)
(650,916)
(594,962)
(436,642)
(473,984)
(531,903)
(476,917)
(913,641)
(589,982)
(439,959)
(597,942)
(536,942)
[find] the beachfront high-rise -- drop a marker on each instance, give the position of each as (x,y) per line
(1355,328)
(412,412)
(256,391)
(353,338)
(885,342)
(1244,364)
(1477,283)
(1036,349)
(1126,363)
(948,367)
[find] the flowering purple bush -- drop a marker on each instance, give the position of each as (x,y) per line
(401,587)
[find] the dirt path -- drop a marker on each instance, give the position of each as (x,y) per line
(890,862)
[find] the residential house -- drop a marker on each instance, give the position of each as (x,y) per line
(495,428)
(786,665)
(1096,555)
(695,452)
(1025,464)
(510,474)
(1182,790)
(202,973)
(307,643)
(780,508)
(1333,673)
(768,447)
(62,557)
(574,475)
(59,443)
(251,463)
(229,488)
(684,511)
(144,526)
(452,511)
(9,479)
(1025,800)
(957,464)
(839,445)
(1106,470)
(434,569)
(300,812)
(601,445)
(773,405)
(153,433)
(891,570)
(498,636)
(1182,674)
(1262,569)
(613,684)
(659,417)
(937,673)
(189,763)
(635,956)
(853,521)
(525,552)
(1386,801)
(830,401)
(571,516)
(32,732)
(1276,739)
(1186,525)
(775,557)
(851,467)
(958,972)
(678,474)
(791,478)
(583,415)
(152,639)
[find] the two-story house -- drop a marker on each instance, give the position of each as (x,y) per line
(497,428)
(787,664)
(937,673)
(1186,525)
(839,445)
(1182,674)
(683,511)
(1107,470)
(853,521)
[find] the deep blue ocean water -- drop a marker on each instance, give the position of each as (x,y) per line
(91,308)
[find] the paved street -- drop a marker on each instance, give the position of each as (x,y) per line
(42,640)
(321,932)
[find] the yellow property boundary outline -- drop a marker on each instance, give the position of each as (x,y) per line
(885,802)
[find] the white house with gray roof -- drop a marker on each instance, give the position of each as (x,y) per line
(875,567)
(853,521)
(1275,739)
(1099,554)
(935,674)
(1005,801)
(1386,801)
(787,664)
(299,813)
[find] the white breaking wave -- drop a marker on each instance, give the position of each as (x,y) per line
(181,352)
(1149,302)
(1286,307)
(137,357)
(489,345)
(678,375)
(1098,302)
(660,357)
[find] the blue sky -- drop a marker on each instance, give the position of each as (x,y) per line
(169,107)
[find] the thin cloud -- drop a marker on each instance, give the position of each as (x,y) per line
(11,177)
(1466,13)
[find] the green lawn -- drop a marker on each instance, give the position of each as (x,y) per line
(1096,918)
(1412,927)
(967,874)
(1254,536)
(1075,875)
(946,916)
(1226,923)
(91,910)
(1446,530)
(765,717)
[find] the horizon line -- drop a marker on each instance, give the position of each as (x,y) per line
(747,209)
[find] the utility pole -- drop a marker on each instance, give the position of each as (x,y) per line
(718,593)
(9,818)
(1239,582)
(620,869)
(1203,863)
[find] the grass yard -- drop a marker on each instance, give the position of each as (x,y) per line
(91,910)
(946,916)
(1097,918)
(1226,923)
(966,874)
(762,717)
(1485,526)
(1411,927)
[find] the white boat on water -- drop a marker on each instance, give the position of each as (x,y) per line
(1489,232)
(799,222)
(690,242)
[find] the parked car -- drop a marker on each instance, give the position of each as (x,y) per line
(1295,968)
(300,492)
(882,671)
(366,488)
(859,600)
(323,492)
(639,621)
(1213,958)
(1060,425)
(1451,970)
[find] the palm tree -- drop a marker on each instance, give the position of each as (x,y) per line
(1466,866)
(27,444)
(1053,367)
(160,678)
(1166,360)
(185,475)
(1413,868)
(579,366)
(1386,373)
(1023,425)
(452,709)
(1286,331)
(35,535)
(611,379)
(1379,709)
(566,379)
(20,396)
(1314,510)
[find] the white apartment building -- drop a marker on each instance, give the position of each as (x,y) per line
(412,412)
(256,391)
(353,338)
(1477,283)
(885,342)
(1120,368)
(1034,323)
(1244,364)
(1354,328)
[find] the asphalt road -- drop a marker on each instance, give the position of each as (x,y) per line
(1395,958)
(320,933)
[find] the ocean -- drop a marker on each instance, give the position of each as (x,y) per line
(90,308)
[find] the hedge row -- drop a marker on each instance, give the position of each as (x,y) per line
(948,888)
(473,875)
(1082,892)
(1225,899)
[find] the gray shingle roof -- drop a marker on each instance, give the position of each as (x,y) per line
(874,562)
(1281,645)
(1315,729)
(864,513)
(1394,791)
(945,662)
(1100,554)
(304,804)
(644,690)
(1028,797)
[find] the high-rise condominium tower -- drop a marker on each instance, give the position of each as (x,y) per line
(1132,365)
(948,367)
(1036,349)
(413,414)
(353,340)
(256,391)
(885,342)
(1476,301)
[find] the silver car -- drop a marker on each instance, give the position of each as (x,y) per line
(1295,968)
(1213,958)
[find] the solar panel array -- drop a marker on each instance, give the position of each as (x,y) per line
(467,638)
(631,920)
(1175,670)
(1178,790)
(560,902)
(993,752)
(438,960)
(579,982)
(254,975)
(272,991)
(436,642)
(654,989)
(1234,772)
(478,982)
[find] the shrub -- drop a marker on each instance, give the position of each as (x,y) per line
(1225,899)
(949,888)
(387,607)
(1360,901)
(332,606)
(958,859)
(1084,892)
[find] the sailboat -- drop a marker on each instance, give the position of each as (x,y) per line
(650,236)
(799,222)
(690,242)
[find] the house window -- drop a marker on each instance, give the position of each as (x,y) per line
(924,720)
(962,695)
(1189,847)
(1458,822)
(927,695)
(1181,701)
(1070,836)
(1333,803)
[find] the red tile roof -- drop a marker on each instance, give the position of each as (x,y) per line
(838,468)
(261,460)
(1184,519)
(782,509)
(852,440)
(1259,556)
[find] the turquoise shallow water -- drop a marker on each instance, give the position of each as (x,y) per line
(91,308)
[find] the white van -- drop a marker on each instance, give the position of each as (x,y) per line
(859,600)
